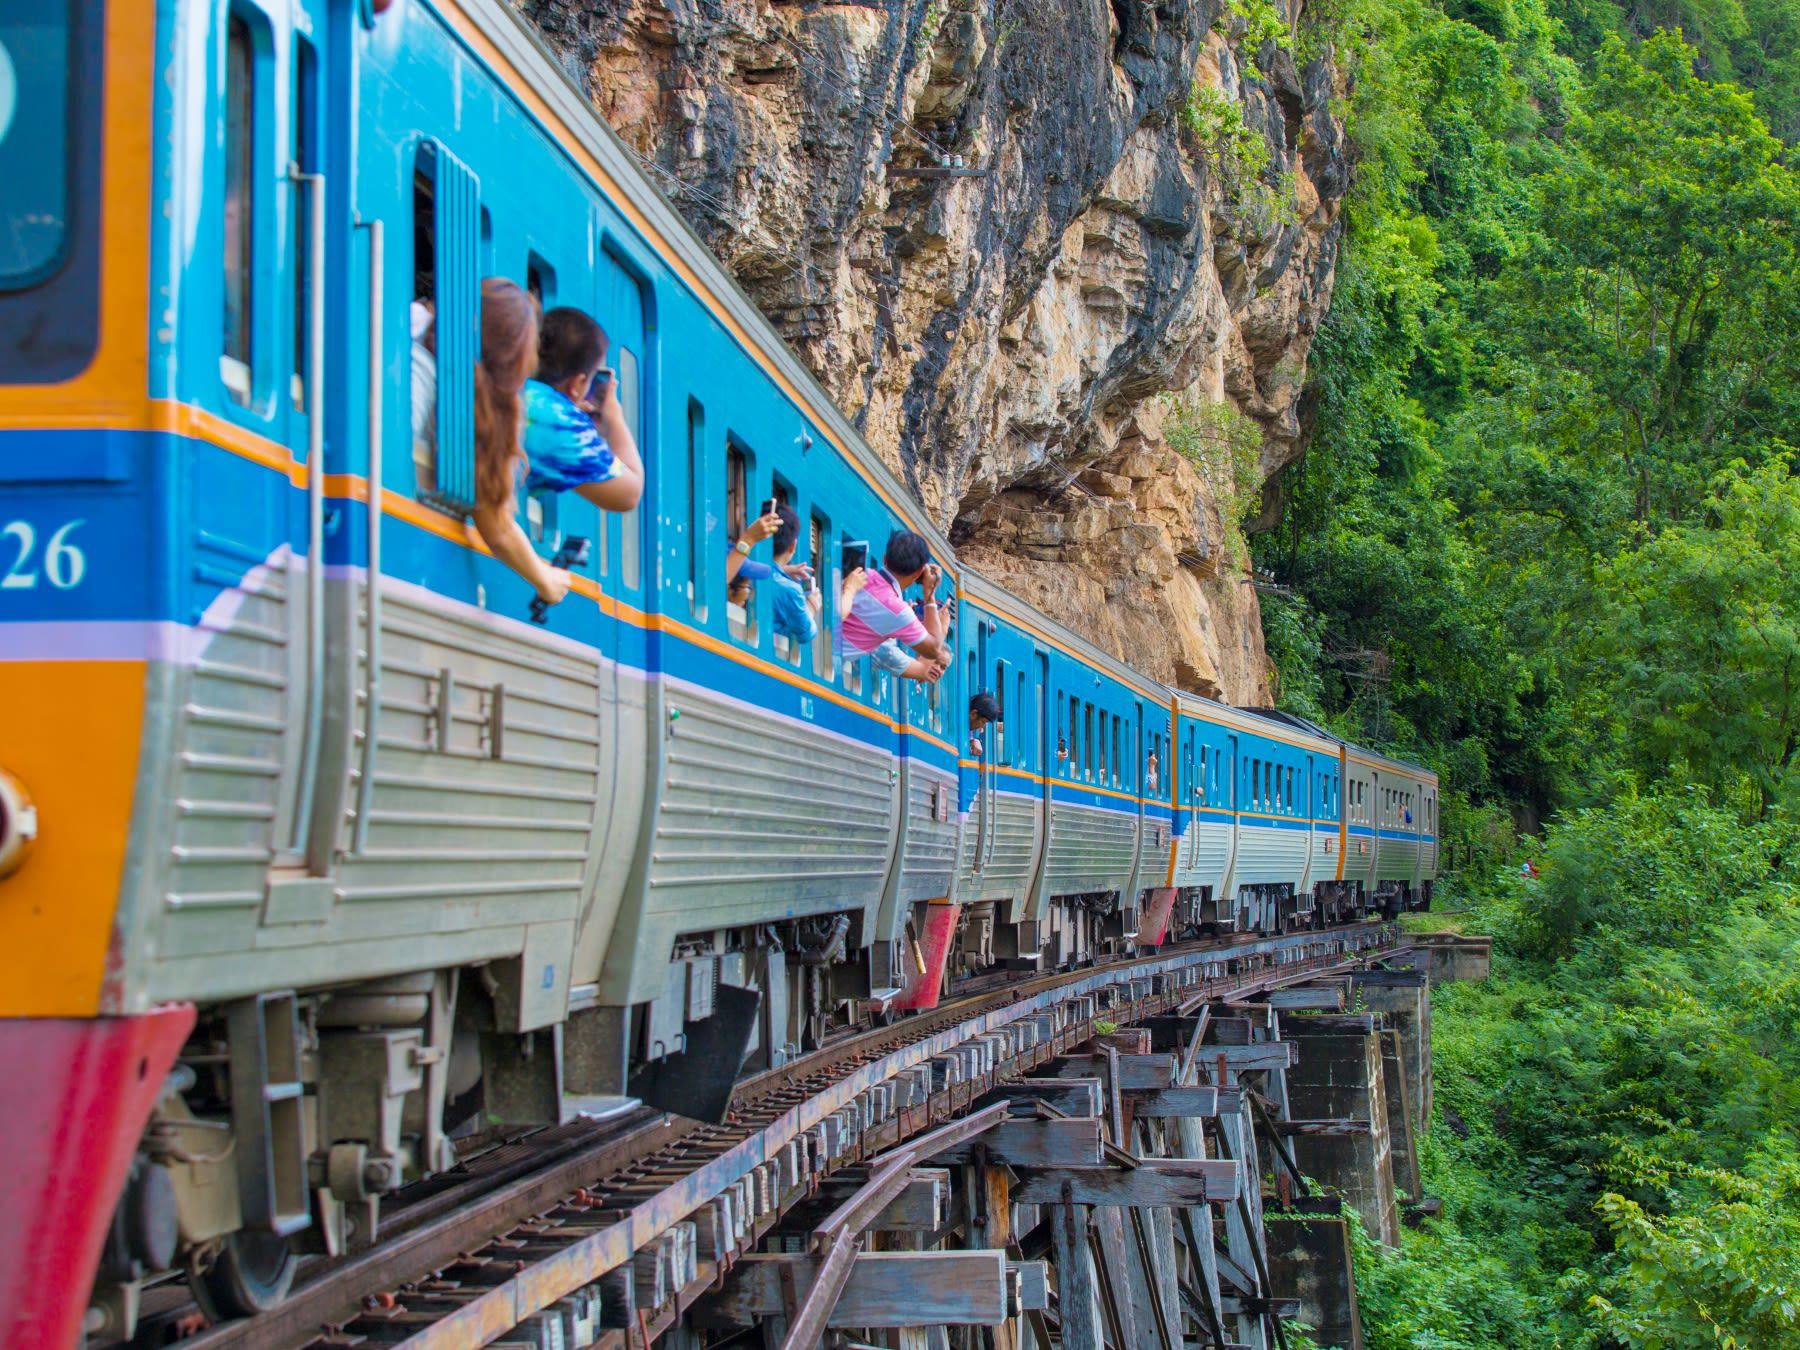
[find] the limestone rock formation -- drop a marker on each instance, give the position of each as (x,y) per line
(1000,231)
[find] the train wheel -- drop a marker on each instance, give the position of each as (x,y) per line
(251,1276)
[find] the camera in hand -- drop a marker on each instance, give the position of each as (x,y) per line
(856,554)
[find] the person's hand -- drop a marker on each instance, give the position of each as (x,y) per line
(763,527)
(553,585)
(854,581)
(600,395)
(800,572)
(933,575)
(947,607)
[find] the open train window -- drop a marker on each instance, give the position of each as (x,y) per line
(238,256)
(446,328)
(1021,738)
(741,617)
(306,156)
(1000,721)
(540,280)
(696,508)
(631,523)
(818,532)
(1087,738)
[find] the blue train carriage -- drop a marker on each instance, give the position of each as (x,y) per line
(1391,830)
(1062,833)
(797,802)
(1256,819)
(274,818)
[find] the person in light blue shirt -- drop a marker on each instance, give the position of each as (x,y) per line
(575,435)
(795,601)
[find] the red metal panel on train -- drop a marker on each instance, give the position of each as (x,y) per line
(85,1089)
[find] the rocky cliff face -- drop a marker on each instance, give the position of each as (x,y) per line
(1054,259)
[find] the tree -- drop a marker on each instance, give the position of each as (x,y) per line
(1697,644)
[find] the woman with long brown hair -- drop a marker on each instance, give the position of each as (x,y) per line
(509,341)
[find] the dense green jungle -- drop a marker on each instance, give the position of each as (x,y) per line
(1546,538)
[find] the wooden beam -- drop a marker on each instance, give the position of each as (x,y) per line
(885,1289)
(1186,1101)
(1033,1143)
(1262,1055)
(1136,1072)
(1330,999)
(1328,1024)
(1324,1126)
(1034,1284)
(1071,1096)
(1392,979)
(924,1204)
(1258,1307)
(1165,1182)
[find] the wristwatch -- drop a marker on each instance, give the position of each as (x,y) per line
(743,547)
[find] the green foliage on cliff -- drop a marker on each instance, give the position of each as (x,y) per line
(1547,537)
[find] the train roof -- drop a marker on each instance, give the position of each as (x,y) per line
(1359,752)
(520,43)
(996,597)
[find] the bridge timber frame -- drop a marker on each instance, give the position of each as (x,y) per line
(1120,1115)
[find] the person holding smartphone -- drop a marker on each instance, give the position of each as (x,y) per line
(797,600)
(576,438)
(878,621)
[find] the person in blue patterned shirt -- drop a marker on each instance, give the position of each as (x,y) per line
(575,433)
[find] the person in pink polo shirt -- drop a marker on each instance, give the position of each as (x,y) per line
(880,623)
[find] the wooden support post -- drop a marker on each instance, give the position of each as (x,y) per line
(1077,1297)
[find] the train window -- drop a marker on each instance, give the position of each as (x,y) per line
(540,280)
(1087,738)
(696,505)
(631,523)
(1255,782)
(1100,756)
(240,192)
(1118,763)
(741,617)
(817,534)
(1073,739)
(447,209)
(1000,721)
(1289,776)
(306,155)
(1021,737)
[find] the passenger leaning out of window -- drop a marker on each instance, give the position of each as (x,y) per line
(797,600)
(575,432)
(509,339)
(983,709)
(878,620)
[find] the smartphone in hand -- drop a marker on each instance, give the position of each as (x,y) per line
(855,555)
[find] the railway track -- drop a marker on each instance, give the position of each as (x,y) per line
(647,1211)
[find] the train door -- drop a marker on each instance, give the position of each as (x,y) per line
(1189,792)
(1229,798)
(984,762)
(278,186)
